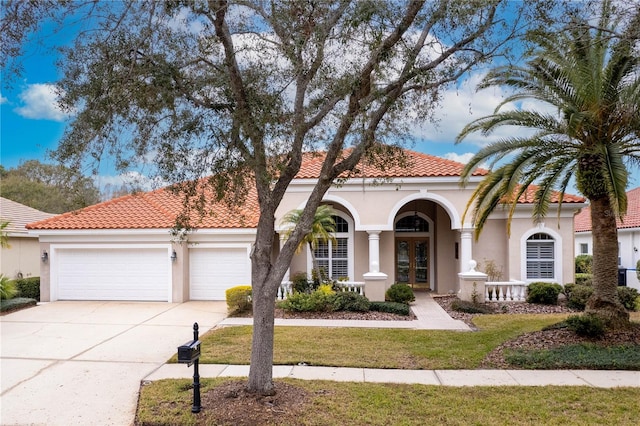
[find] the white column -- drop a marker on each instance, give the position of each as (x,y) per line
(466,251)
(375,282)
(374,251)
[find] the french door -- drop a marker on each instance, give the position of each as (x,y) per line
(412,261)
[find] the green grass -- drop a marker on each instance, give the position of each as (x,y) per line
(336,403)
(586,356)
(384,348)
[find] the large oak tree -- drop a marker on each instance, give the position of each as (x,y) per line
(238,90)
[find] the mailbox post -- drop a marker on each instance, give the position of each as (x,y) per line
(189,353)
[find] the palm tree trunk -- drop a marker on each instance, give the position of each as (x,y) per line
(314,264)
(605,302)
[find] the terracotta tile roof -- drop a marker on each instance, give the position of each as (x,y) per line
(150,210)
(419,165)
(582,221)
(528,196)
(158,209)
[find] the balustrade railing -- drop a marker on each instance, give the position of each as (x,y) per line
(505,291)
(354,286)
(286,288)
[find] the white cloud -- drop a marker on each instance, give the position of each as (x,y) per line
(460,158)
(131,180)
(3,100)
(40,102)
(462,104)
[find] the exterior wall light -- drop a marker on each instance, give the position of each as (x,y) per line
(45,256)
(174,256)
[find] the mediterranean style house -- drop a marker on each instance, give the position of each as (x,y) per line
(628,239)
(22,257)
(401,225)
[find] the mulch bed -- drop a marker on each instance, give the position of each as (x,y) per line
(538,340)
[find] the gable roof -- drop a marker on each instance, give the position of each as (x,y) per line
(582,221)
(18,215)
(158,209)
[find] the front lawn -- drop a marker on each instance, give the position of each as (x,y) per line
(384,348)
(297,402)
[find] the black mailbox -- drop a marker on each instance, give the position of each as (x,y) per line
(189,352)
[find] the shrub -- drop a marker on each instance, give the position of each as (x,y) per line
(301,284)
(577,296)
(628,297)
(318,301)
(470,307)
(350,301)
(390,307)
(29,287)
(400,293)
(543,293)
(493,271)
(584,263)
(239,299)
(584,279)
(8,288)
(326,289)
(16,303)
(586,325)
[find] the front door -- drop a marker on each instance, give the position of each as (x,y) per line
(412,261)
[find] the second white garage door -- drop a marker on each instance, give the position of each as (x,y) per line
(91,273)
(213,270)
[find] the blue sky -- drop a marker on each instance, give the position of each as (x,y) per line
(31,124)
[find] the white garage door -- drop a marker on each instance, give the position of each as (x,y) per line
(113,274)
(213,270)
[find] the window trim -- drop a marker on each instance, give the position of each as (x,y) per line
(557,255)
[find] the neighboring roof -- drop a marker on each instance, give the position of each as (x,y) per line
(18,215)
(158,209)
(582,221)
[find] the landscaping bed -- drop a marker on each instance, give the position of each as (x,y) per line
(554,348)
(337,315)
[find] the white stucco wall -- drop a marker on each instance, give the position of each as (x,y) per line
(23,257)
(629,243)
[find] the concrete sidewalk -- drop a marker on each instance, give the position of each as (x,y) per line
(429,316)
(591,378)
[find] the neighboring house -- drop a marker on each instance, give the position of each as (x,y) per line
(628,239)
(400,225)
(22,257)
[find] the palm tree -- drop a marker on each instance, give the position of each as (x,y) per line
(591,76)
(4,235)
(322,229)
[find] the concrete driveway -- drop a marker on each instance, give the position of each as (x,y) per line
(80,363)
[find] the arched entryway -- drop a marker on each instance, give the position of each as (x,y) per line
(414,257)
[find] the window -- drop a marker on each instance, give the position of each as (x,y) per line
(540,256)
(333,256)
(412,224)
(584,248)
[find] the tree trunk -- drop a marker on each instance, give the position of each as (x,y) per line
(261,369)
(605,302)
